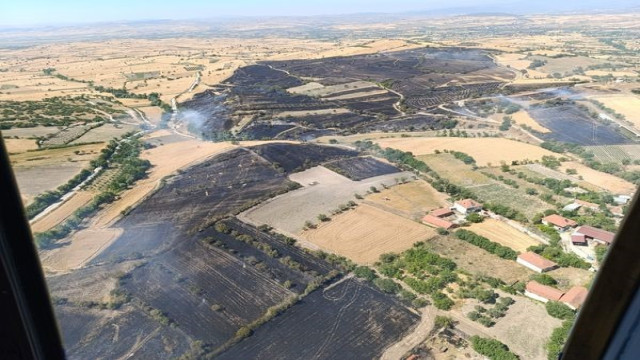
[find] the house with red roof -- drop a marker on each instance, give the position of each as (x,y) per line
(560,223)
(442,212)
(438,222)
(575,297)
(543,293)
(535,262)
(467,206)
(595,234)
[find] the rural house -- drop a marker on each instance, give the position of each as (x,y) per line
(621,199)
(559,222)
(536,262)
(575,297)
(578,239)
(442,212)
(597,235)
(467,206)
(438,222)
(543,293)
(588,205)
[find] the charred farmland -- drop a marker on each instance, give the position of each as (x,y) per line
(348,94)
(186,276)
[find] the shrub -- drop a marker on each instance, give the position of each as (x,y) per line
(559,310)
(407,295)
(443,321)
(323,217)
(475,218)
(543,279)
(387,285)
(419,303)
(486,244)
(441,301)
(364,272)
(491,348)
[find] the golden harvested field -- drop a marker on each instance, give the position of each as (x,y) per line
(477,261)
(522,118)
(153,113)
(455,170)
(83,246)
(516,61)
(412,200)
(627,105)
(62,212)
(30,132)
(570,277)
(502,233)
(485,150)
(605,181)
(15,146)
(366,232)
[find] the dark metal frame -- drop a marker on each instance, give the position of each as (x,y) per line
(28,329)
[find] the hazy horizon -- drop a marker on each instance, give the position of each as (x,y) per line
(68,12)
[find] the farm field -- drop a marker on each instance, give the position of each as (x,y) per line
(502,233)
(63,211)
(455,170)
(522,117)
(605,181)
(105,133)
(359,168)
(366,232)
(570,277)
(348,320)
(15,146)
(477,261)
(626,105)
(615,153)
(526,341)
(517,199)
(79,249)
(323,191)
(484,150)
(30,133)
(60,165)
(412,200)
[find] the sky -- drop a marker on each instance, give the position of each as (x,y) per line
(42,12)
(56,12)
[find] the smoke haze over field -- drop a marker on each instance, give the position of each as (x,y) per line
(40,12)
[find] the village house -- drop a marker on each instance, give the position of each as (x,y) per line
(441,213)
(438,222)
(535,262)
(543,293)
(575,297)
(560,223)
(467,206)
(591,233)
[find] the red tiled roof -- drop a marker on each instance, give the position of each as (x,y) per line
(441,212)
(578,238)
(558,220)
(544,291)
(437,222)
(537,260)
(469,203)
(594,233)
(575,296)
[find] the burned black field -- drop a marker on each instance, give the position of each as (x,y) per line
(358,168)
(351,320)
(269,99)
(186,277)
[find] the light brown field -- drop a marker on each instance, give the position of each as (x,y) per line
(605,181)
(365,233)
(19,145)
(502,233)
(627,105)
(30,132)
(477,261)
(43,170)
(412,200)
(153,113)
(105,133)
(455,170)
(62,212)
(522,117)
(570,277)
(484,150)
(83,246)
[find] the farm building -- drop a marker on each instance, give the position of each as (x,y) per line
(578,239)
(442,212)
(438,222)
(598,235)
(572,207)
(536,262)
(621,199)
(543,293)
(467,206)
(559,222)
(575,297)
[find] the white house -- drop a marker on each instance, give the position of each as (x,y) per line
(467,206)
